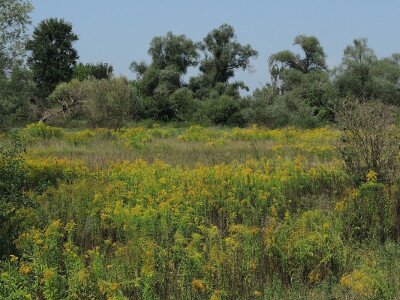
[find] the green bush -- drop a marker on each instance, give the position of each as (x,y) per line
(289,109)
(183,104)
(108,103)
(224,110)
(41,131)
(366,283)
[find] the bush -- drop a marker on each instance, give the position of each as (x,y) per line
(225,110)
(282,110)
(41,131)
(108,103)
(370,140)
(183,104)
(70,95)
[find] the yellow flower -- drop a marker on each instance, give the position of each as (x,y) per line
(48,274)
(340,206)
(198,286)
(257,294)
(287,215)
(372,176)
(326,225)
(24,269)
(13,258)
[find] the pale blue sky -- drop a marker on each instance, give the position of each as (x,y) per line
(120,31)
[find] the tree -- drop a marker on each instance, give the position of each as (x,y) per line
(303,81)
(52,54)
(15,93)
(285,65)
(353,76)
(14,19)
(222,56)
(362,75)
(93,71)
(171,56)
(16,86)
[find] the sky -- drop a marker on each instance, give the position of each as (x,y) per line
(119,31)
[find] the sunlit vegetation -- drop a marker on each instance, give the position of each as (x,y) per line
(276,218)
(184,184)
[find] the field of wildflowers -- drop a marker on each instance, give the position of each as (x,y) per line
(193,213)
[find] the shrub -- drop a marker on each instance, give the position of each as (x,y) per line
(70,95)
(137,138)
(41,131)
(183,104)
(108,102)
(293,108)
(224,110)
(198,133)
(370,139)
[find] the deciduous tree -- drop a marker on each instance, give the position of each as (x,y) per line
(52,54)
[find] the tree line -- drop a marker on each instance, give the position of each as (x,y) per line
(41,78)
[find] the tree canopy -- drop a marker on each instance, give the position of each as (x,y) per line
(283,63)
(362,75)
(14,20)
(222,56)
(171,56)
(52,54)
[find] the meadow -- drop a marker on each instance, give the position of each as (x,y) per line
(192,213)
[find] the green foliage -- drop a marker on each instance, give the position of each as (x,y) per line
(224,110)
(368,213)
(290,109)
(183,104)
(367,283)
(371,277)
(171,56)
(284,63)
(14,20)
(16,91)
(16,86)
(223,55)
(364,76)
(41,131)
(71,96)
(93,71)
(52,54)
(12,186)
(304,85)
(308,249)
(108,102)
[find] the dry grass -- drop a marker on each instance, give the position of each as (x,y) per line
(170,150)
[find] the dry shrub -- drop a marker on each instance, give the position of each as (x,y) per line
(370,139)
